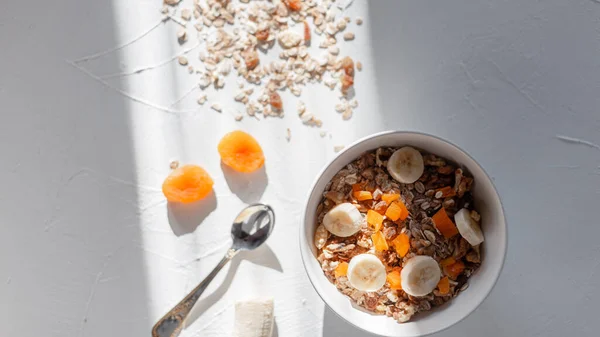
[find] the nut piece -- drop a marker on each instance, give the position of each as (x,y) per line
(289,39)
(275,100)
(182,60)
(348,36)
(348,66)
(186,14)
(251,59)
(181,35)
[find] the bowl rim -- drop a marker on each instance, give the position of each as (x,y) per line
(303,239)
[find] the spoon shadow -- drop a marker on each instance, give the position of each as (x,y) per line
(262,255)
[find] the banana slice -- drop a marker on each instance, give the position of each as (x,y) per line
(406,165)
(420,275)
(343,220)
(366,272)
(468,228)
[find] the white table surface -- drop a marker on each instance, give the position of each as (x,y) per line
(87,248)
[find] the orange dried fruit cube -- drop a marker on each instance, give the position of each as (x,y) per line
(447,192)
(402,244)
(390,197)
(379,241)
(241,152)
(375,219)
(275,100)
(447,261)
(358,187)
(394,280)
(444,285)
(187,184)
(396,211)
(454,270)
(444,224)
(363,195)
(341,269)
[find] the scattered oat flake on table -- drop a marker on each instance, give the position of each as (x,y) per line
(359,66)
(359,21)
(182,60)
(202,99)
(186,14)
(338,148)
(217,107)
(174,164)
(240,31)
(348,36)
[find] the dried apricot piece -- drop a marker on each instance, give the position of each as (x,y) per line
(389,197)
(186,184)
(454,270)
(402,244)
(397,211)
(363,195)
(444,224)
(375,219)
(379,241)
(444,285)
(241,152)
(394,280)
(341,269)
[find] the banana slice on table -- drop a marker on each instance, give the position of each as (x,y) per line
(468,227)
(420,275)
(406,165)
(366,272)
(343,220)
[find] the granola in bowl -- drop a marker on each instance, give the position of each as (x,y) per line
(397,231)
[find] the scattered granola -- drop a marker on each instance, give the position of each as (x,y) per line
(233,33)
(402,228)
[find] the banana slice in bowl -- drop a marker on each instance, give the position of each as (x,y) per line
(343,220)
(420,275)
(468,227)
(366,272)
(406,165)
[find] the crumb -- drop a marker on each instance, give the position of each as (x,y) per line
(348,36)
(217,107)
(288,134)
(338,148)
(359,21)
(182,60)
(238,118)
(174,164)
(359,66)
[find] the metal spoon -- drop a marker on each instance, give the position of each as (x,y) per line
(250,229)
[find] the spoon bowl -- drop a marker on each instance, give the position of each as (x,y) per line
(250,229)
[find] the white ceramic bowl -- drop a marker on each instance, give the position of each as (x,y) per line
(493,224)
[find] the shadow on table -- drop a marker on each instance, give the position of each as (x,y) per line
(263,256)
(185,218)
(249,187)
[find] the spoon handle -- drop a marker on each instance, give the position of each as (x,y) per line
(172,323)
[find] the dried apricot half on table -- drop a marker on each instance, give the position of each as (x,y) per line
(187,184)
(241,152)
